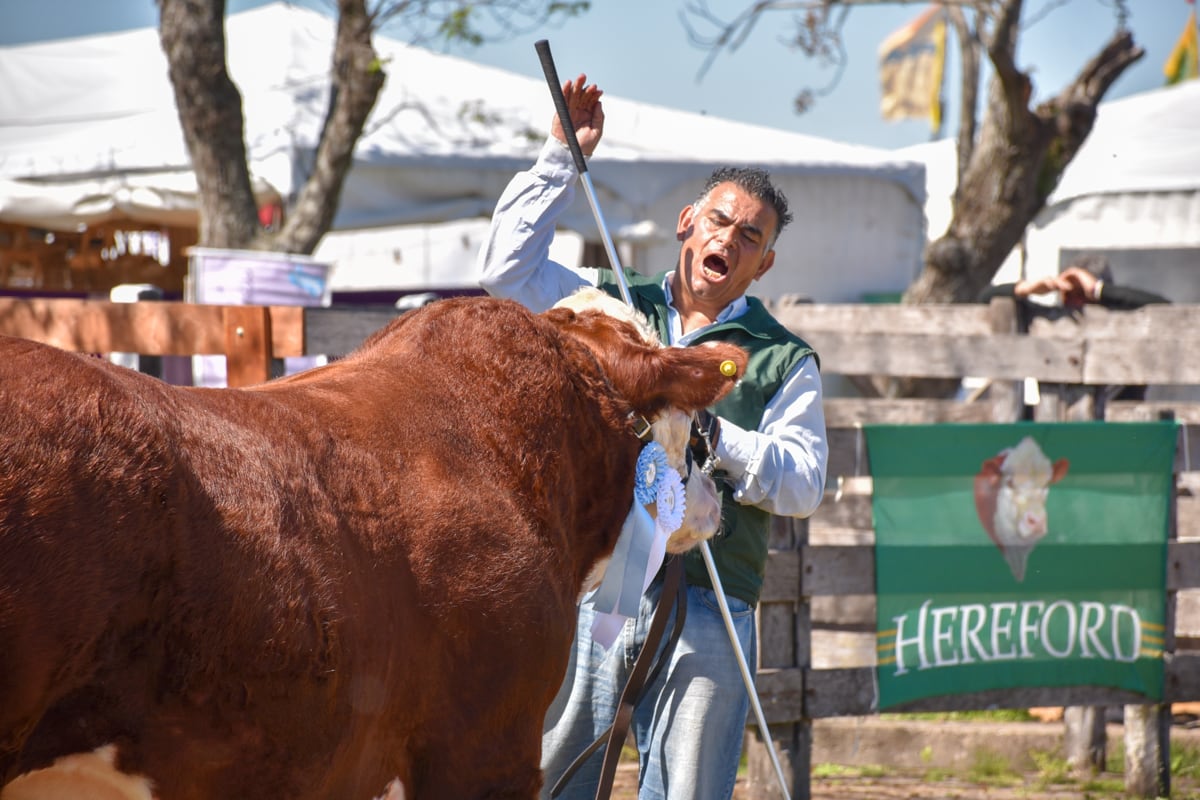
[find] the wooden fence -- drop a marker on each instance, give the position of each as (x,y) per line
(816,618)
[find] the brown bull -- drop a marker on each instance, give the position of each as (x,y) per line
(360,576)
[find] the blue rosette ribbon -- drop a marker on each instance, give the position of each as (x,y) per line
(651,472)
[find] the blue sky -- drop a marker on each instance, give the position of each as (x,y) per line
(639,49)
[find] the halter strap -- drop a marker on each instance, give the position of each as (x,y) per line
(673,594)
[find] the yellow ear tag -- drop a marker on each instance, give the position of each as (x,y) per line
(728,368)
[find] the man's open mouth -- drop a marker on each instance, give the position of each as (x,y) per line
(715,266)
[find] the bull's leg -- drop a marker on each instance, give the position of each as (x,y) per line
(35,674)
(8,765)
(20,710)
(81,775)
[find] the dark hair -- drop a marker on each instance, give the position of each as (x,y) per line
(1096,264)
(755,182)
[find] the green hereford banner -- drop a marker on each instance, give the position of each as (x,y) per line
(1016,555)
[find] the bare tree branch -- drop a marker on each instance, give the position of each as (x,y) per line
(356,79)
(968,48)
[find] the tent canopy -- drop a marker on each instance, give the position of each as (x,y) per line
(1147,142)
(445,137)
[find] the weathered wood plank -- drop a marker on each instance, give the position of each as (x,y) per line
(1146,411)
(1141,361)
(247,345)
(1147,750)
(848,511)
(844,412)
(96,326)
(1097,322)
(781,577)
(781,692)
(835,648)
(287,331)
(847,612)
(850,692)
(1183,564)
(785,638)
(951,320)
(1009,357)
(847,453)
(150,328)
(1187,614)
(837,570)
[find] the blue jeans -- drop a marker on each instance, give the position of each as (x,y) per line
(689,724)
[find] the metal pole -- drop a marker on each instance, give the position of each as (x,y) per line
(747,678)
(564,118)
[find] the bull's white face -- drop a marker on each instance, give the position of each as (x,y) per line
(1010,497)
(1021,504)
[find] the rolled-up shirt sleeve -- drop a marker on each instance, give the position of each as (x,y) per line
(780,467)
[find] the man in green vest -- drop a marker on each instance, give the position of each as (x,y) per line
(768,446)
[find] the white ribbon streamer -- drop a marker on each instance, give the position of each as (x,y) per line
(636,559)
(642,545)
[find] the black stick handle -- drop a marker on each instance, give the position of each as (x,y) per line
(560,102)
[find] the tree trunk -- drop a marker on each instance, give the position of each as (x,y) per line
(192,33)
(1012,168)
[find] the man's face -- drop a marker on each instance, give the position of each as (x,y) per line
(726,240)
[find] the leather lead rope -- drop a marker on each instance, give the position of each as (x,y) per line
(673,594)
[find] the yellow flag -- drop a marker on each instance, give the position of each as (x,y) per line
(911,62)
(1184,62)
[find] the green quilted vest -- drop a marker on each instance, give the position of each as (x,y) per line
(740,548)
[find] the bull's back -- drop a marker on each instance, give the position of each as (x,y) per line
(293,554)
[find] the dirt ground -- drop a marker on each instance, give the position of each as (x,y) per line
(898,787)
(880,788)
(859,742)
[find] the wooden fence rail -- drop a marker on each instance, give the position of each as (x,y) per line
(816,618)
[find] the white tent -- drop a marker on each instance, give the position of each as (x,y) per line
(1132,192)
(90,126)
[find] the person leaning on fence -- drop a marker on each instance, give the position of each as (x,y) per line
(1088,280)
(768,440)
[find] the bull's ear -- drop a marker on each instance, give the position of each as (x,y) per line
(692,378)
(1060,470)
(991,467)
